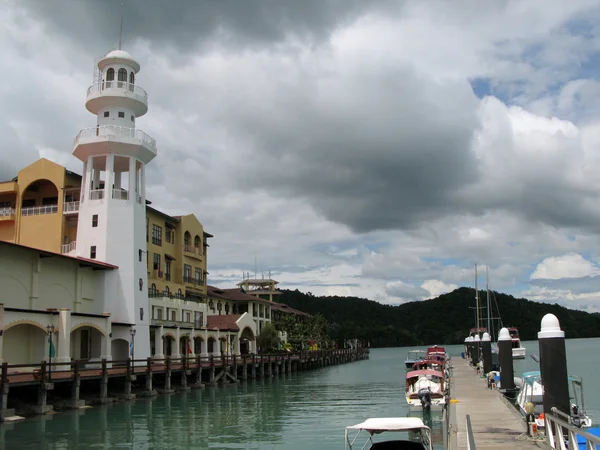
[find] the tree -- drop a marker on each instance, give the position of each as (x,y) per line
(268,339)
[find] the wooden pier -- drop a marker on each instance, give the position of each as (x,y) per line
(125,379)
(495,424)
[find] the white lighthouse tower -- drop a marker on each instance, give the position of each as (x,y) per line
(112,214)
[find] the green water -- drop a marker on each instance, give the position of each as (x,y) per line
(307,410)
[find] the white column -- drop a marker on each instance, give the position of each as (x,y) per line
(191,344)
(64,336)
(205,348)
(132,177)
(106,343)
(217,351)
(109,176)
(177,353)
(158,343)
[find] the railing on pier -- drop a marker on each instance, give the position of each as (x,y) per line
(560,432)
(470,436)
(45,372)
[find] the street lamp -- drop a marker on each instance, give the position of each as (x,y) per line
(51,350)
(132,345)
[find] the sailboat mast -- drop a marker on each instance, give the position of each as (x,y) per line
(487,288)
(476,300)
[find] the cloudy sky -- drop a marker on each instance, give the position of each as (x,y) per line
(376,149)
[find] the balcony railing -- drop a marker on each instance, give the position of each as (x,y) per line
(116,132)
(96,194)
(66,248)
(120,194)
(117,85)
(163,294)
(39,210)
(71,207)
(188,248)
(192,280)
(7,213)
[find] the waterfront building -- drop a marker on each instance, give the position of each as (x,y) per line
(151,293)
(87,260)
(265,288)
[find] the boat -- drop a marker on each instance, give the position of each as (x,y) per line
(531,390)
(436,350)
(435,362)
(425,389)
(518,351)
(419,435)
(413,356)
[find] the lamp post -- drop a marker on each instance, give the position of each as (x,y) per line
(132,333)
(51,351)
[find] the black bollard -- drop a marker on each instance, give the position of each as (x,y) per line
(476,350)
(486,353)
(507,374)
(553,365)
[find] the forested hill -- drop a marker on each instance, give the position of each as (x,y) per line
(446,319)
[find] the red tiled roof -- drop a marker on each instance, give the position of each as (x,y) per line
(285,308)
(223,323)
(234,294)
(84,261)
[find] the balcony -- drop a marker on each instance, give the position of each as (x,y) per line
(117,93)
(7,213)
(120,194)
(39,210)
(68,248)
(71,207)
(102,140)
(193,281)
(96,194)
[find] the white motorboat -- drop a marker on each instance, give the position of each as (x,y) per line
(518,351)
(413,356)
(532,391)
(418,434)
(425,389)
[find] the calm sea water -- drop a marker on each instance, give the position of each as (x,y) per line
(298,411)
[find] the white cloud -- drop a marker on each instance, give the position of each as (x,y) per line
(571,265)
(345,148)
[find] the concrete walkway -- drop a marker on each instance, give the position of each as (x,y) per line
(496,424)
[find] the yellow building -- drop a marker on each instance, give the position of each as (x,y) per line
(39,209)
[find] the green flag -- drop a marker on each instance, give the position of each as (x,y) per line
(51,350)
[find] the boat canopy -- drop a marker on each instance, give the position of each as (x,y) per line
(416,373)
(379,425)
(534,375)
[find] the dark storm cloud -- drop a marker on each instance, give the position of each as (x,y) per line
(382,151)
(185,24)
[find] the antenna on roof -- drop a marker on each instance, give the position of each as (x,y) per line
(121,29)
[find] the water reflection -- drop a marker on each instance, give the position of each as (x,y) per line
(295,411)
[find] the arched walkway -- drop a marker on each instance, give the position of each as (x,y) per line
(198,342)
(25,344)
(211,345)
(168,345)
(247,340)
(119,349)
(86,343)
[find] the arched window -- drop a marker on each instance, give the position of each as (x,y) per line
(167,292)
(219,307)
(122,76)
(197,242)
(131,80)
(226,308)
(110,75)
(187,241)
